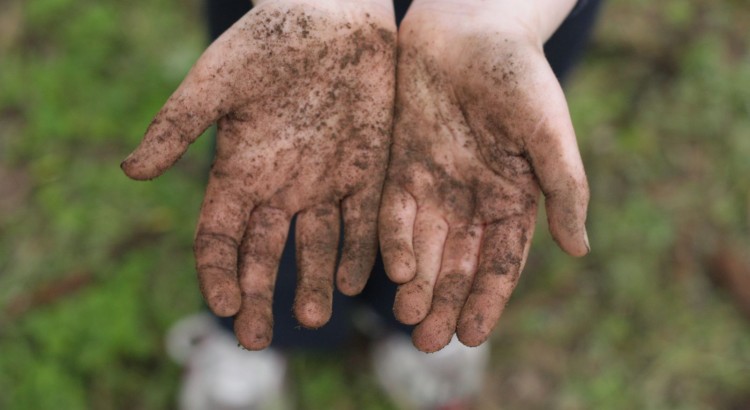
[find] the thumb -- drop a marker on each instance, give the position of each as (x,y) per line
(199,101)
(557,163)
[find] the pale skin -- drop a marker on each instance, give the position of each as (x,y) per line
(481,128)
(304,93)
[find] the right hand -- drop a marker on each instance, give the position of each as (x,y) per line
(303,94)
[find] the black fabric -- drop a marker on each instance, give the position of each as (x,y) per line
(400,7)
(562,51)
(566,46)
(221,14)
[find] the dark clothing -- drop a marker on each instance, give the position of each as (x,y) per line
(562,50)
(566,46)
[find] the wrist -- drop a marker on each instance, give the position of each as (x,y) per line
(540,18)
(551,14)
(384,7)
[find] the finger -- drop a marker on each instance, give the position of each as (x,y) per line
(222,221)
(360,212)
(199,101)
(260,253)
(451,290)
(317,239)
(503,253)
(398,211)
(559,169)
(413,299)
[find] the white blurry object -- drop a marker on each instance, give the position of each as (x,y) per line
(417,380)
(220,375)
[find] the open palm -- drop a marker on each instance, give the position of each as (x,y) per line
(303,96)
(481,127)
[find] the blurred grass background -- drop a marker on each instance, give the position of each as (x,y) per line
(94,267)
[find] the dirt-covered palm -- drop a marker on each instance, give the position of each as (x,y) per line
(481,126)
(303,94)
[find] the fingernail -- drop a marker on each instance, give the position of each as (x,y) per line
(127,160)
(586,240)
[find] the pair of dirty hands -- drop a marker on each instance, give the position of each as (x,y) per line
(448,180)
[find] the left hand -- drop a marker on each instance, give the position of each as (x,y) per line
(481,126)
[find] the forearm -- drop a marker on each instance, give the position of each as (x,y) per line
(542,17)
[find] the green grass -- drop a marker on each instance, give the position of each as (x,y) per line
(662,109)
